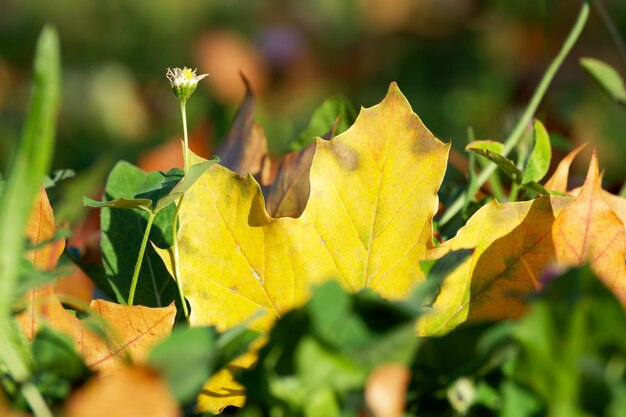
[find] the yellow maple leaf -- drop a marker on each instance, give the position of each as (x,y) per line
(368,223)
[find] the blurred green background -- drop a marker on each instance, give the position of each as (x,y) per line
(460,63)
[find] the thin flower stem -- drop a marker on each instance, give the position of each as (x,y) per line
(177,275)
(515,136)
(185,136)
(142,249)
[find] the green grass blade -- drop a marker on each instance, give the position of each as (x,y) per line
(31,163)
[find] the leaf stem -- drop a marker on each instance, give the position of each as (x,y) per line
(142,250)
(515,135)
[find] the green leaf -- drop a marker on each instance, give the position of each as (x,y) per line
(193,173)
(190,356)
(492,150)
(122,232)
(186,359)
(234,343)
(158,185)
(330,311)
(55,352)
(336,115)
(326,350)
(158,190)
(123,203)
(607,77)
(319,367)
(567,338)
(539,160)
(57,176)
(518,401)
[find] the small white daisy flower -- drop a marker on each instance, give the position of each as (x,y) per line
(183,81)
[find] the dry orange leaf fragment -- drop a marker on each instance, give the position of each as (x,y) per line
(41,228)
(589,231)
(130,331)
(125,392)
(385,390)
(558,180)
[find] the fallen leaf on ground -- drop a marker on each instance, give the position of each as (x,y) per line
(235,259)
(512,244)
(368,223)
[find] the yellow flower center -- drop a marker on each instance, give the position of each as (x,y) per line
(188,74)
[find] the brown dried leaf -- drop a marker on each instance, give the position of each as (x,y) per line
(287,195)
(288,192)
(244,147)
